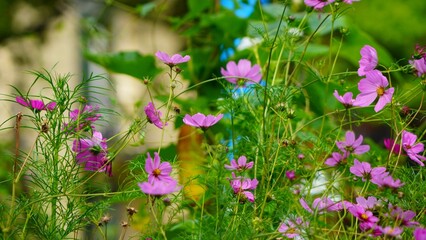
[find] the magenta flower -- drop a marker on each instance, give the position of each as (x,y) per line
(156,170)
(419,234)
(239,166)
(321,205)
(93,153)
(346,99)
(392,146)
(352,145)
(371,86)
(159,188)
(368,60)
(291,229)
(412,148)
(242,186)
(318,4)
(391,231)
(335,159)
(154,116)
(290,175)
(369,203)
(366,218)
(173,60)
(201,121)
(385,180)
(82,119)
(35,104)
(364,170)
(418,62)
(350,1)
(242,74)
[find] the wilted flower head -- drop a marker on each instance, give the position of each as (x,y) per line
(371,86)
(93,153)
(242,73)
(159,188)
(368,60)
(352,145)
(154,115)
(157,171)
(412,148)
(241,165)
(318,4)
(35,104)
(173,60)
(201,121)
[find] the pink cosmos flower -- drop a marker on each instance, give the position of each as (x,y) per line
(350,1)
(385,180)
(335,159)
(364,170)
(201,121)
(391,231)
(391,145)
(291,229)
(159,188)
(93,153)
(369,203)
(318,4)
(35,104)
(352,145)
(368,60)
(412,148)
(346,99)
(419,61)
(419,234)
(403,218)
(81,119)
(366,218)
(173,60)
(321,205)
(371,86)
(241,165)
(290,175)
(242,73)
(157,171)
(241,187)
(154,116)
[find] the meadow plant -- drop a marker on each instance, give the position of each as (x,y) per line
(268,149)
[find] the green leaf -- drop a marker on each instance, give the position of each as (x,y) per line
(131,63)
(144,9)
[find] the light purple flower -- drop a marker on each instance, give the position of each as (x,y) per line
(385,180)
(291,229)
(335,159)
(368,60)
(352,145)
(242,74)
(346,99)
(201,121)
(159,188)
(239,166)
(173,60)
(318,4)
(350,1)
(154,115)
(371,86)
(321,205)
(419,61)
(81,119)
(157,171)
(403,218)
(366,218)
(241,187)
(391,231)
(364,170)
(35,104)
(290,175)
(419,234)
(93,153)
(369,203)
(412,148)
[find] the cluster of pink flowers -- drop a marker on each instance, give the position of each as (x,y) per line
(159,180)
(35,104)
(377,175)
(372,86)
(409,146)
(242,74)
(242,186)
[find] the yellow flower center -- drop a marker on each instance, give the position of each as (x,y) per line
(380,91)
(364,216)
(156,172)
